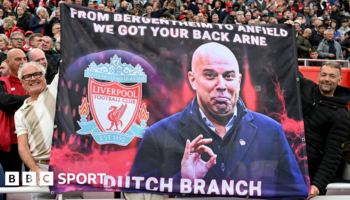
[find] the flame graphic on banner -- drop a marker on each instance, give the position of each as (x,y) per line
(294,131)
(144,115)
(84,108)
(249,95)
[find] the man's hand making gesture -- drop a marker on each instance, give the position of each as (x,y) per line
(192,166)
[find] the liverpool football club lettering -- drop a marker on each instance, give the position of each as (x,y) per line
(114,106)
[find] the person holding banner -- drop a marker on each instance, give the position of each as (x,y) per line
(35,122)
(216,138)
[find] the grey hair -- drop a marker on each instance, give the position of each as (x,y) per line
(16,33)
(24,3)
(50,39)
(329,31)
(273,6)
(40,9)
(252,21)
(4,37)
(240,12)
(240,17)
(32,63)
(333,64)
(58,39)
(30,52)
(215,15)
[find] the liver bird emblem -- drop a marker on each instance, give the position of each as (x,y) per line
(115,115)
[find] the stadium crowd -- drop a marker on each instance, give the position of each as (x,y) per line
(30,31)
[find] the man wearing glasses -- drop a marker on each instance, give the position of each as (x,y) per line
(12,95)
(35,120)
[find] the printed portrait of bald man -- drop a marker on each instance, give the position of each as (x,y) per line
(217,138)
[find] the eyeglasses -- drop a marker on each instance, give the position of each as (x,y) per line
(20,39)
(28,77)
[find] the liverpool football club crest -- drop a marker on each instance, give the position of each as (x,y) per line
(113,105)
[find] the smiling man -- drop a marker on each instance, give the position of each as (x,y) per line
(326,123)
(217,138)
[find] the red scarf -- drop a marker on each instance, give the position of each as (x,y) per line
(227,10)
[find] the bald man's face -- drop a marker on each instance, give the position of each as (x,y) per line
(215,77)
(15,58)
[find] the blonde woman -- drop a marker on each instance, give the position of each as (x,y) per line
(149,10)
(10,26)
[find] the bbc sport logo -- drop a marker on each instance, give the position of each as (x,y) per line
(28,178)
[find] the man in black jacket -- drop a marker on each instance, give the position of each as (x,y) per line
(123,8)
(326,122)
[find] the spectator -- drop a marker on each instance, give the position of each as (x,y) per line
(345,45)
(330,48)
(341,17)
(230,19)
(326,123)
(123,8)
(242,7)
(101,7)
(297,25)
(306,12)
(4,69)
(35,138)
(299,5)
(217,9)
(56,30)
(343,29)
(215,18)
(334,13)
(149,3)
(4,43)
(16,41)
(279,13)
(265,17)
(314,55)
(1,16)
(78,2)
(307,4)
(251,22)
(157,12)
(261,5)
(225,12)
(285,17)
(139,8)
(6,8)
(10,27)
(38,23)
(37,41)
(248,16)
(344,4)
(57,18)
(256,15)
(22,20)
(194,6)
(38,56)
(27,34)
(320,36)
(316,24)
(10,101)
(303,44)
(48,44)
(26,10)
(241,20)
(91,4)
(110,5)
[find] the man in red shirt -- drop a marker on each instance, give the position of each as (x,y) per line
(12,95)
